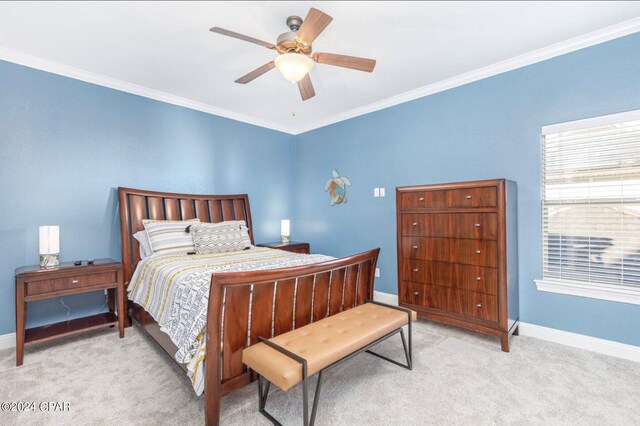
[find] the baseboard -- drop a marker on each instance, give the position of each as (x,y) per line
(580,341)
(388,298)
(7,341)
(574,340)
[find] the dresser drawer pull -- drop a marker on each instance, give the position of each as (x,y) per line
(477,225)
(468,197)
(478,278)
(415,247)
(415,269)
(415,293)
(414,224)
(421,199)
(479,305)
(477,251)
(75,281)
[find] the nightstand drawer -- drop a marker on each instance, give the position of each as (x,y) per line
(65,283)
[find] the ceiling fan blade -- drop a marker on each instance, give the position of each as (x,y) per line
(315,22)
(256,73)
(306,88)
(241,37)
(360,64)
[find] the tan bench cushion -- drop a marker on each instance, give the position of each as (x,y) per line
(322,343)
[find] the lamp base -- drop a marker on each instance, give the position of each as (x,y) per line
(50,260)
(285,239)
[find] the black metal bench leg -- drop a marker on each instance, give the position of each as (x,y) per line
(407,353)
(263,392)
(305,401)
(316,398)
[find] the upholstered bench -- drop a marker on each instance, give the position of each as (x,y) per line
(292,357)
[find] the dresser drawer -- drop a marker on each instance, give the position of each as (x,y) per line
(482,226)
(422,199)
(445,299)
(426,248)
(464,277)
(412,293)
(466,252)
(423,271)
(57,284)
(482,306)
(474,252)
(475,278)
(472,197)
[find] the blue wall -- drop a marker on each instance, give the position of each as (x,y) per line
(487,129)
(67,145)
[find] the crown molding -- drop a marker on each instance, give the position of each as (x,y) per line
(31,61)
(590,39)
(586,40)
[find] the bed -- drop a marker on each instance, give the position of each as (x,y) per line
(242,304)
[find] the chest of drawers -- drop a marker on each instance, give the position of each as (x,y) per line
(457,254)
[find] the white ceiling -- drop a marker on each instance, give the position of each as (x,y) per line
(164,49)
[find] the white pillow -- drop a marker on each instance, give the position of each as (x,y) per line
(145,246)
(218,237)
(170,236)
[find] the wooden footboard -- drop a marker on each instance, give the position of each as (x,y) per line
(245,305)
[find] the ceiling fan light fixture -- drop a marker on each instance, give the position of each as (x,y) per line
(294,66)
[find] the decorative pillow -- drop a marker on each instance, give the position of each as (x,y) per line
(219,237)
(145,247)
(170,236)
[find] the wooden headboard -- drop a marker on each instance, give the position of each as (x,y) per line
(139,204)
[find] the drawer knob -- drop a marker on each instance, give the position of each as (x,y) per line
(421,199)
(477,251)
(478,278)
(74,281)
(415,269)
(415,247)
(415,293)
(414,224)
(468,197)
(479,305)
(477,225)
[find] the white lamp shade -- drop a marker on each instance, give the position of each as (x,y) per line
(294,66)
(285,227)
(49,239)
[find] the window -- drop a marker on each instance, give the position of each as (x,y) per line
(591,208)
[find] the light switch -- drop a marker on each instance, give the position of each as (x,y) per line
(377,272)
(382,192)
(376,192)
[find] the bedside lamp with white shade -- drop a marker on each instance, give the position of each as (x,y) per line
(49,246)
(285,230)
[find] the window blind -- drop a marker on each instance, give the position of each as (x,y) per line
(591,201)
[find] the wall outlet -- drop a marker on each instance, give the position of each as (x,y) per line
(376,192)
(377,272)
(382,192)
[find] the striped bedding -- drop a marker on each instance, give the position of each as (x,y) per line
(174,289)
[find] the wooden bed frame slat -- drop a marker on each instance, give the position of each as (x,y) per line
(303,301)
(172,209)
(156,208)
(283,319)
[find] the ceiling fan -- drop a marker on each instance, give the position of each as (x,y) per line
(295,59)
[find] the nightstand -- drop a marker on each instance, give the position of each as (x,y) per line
(35,283)
(293,246)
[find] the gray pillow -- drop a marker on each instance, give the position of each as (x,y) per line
(219,237)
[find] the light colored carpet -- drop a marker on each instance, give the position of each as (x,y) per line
(458,378)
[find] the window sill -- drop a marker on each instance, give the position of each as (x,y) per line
(615,293)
